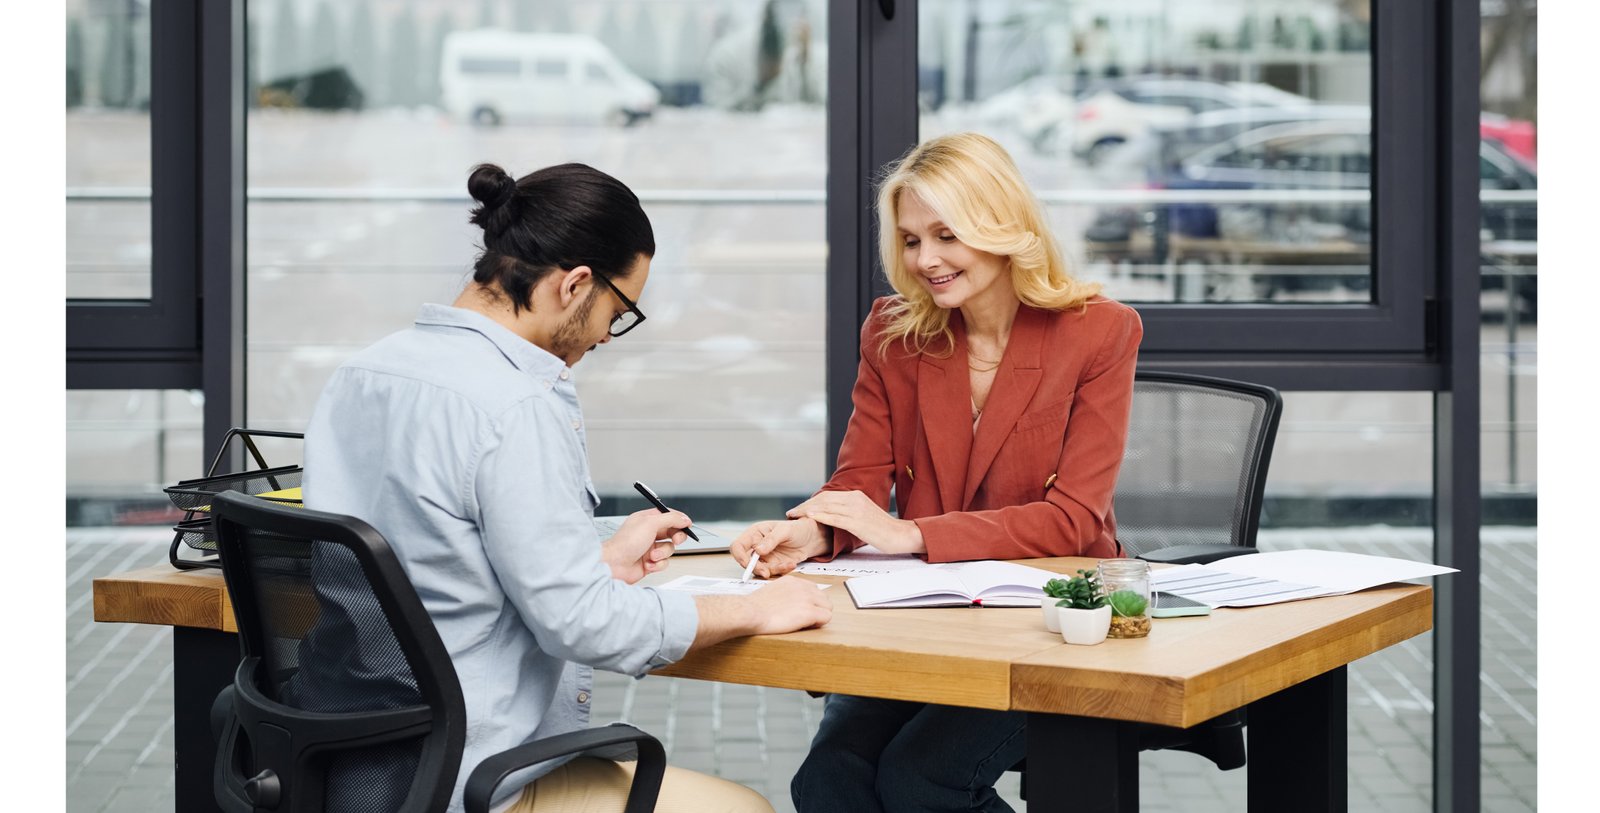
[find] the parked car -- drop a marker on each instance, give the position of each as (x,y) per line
(1008,107)
(1517,136)
(1329,154)
(1136,162)
(1328,149)
(490,77)
(327,89)
(1110,114)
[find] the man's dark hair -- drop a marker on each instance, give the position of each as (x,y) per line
(558,217)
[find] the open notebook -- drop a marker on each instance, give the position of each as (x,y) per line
(957,584)
(710,541)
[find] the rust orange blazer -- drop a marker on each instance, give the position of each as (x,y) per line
(1037,476)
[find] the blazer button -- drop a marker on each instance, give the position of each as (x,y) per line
(583,697)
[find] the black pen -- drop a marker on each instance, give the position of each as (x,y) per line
(660,506)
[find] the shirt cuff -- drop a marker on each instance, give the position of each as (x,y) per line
(680,620)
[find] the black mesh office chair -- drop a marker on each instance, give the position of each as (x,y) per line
(1195,467)
(1189,491)
(346,699)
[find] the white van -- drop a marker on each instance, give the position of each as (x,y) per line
(493,76)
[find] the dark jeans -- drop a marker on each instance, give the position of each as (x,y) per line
(889,756)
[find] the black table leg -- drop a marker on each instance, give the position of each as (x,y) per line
(203,664)
(1082,764)
(1298,740)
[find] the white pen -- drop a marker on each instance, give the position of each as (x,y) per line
(750,567)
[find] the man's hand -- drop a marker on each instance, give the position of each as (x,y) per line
(781,544)
(857,513)
(787,604)
(644,543)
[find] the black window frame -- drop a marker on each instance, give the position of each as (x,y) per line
(1387,344)
(189,334)
(1419,332)
(165,327)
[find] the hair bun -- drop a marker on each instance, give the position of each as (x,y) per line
(493,188)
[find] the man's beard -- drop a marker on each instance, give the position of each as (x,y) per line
(568,341)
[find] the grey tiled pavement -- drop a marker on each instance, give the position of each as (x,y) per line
(119,700)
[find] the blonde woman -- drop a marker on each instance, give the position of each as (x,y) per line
(992,398)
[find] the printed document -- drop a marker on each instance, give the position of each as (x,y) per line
(1269,578)
(863,561)
(708,586)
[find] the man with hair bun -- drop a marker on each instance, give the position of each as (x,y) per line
(461,440)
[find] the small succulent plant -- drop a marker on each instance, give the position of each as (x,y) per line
(1081,592)
(1128,603)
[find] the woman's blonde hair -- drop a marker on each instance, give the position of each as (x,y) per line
(973,186)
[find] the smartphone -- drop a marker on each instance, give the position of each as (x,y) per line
(1173,606)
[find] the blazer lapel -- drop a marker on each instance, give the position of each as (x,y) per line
(944,398)
(1014,385)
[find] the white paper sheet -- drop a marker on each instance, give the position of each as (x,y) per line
(708,586)
(863,561)
(1269,578)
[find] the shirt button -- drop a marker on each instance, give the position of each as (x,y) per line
(583,697)
(566,374)
(577,424)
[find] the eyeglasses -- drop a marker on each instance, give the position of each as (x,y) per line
(628,319)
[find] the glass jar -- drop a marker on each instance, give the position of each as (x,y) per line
(1126,583)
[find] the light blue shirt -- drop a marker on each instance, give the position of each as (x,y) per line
(463,444)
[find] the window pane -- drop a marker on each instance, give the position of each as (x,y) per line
(108,150)
(713,113)
(489,67)
(1187,152)
(123,447)
(1509,379)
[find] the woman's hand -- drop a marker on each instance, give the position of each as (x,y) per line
(781,544)
(644,543)
(855,512)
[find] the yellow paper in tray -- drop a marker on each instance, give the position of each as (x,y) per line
(283,495)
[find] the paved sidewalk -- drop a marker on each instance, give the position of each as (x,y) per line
(119,700)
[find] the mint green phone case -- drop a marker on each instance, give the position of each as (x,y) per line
(1171,606)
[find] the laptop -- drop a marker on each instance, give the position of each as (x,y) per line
(710,541)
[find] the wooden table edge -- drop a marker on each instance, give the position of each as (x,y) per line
(166,596)
(783,662)
(1186,700)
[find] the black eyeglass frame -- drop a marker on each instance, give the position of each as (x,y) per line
(632,308)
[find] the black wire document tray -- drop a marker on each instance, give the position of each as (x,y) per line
(196,495)
(197,531)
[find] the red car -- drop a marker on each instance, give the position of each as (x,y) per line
(1517,136)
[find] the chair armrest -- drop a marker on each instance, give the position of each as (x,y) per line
(652,766)
(1200,554)
(221,712)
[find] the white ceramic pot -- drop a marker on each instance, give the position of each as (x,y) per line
(1086,627)
(1052,622)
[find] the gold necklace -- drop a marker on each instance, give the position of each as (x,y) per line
(993,363)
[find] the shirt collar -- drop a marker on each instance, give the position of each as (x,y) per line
(523,354)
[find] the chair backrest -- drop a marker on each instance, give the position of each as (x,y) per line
(345,698)
(1196,461)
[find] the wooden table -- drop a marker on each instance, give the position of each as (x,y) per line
(1285,662)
